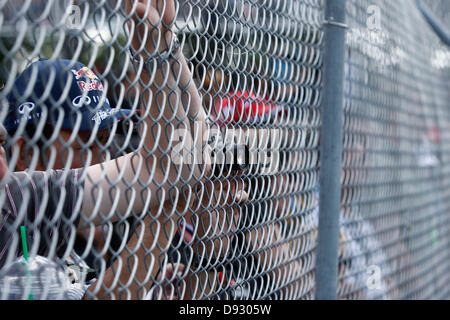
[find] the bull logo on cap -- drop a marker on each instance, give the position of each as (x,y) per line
(93,82)
(84,72)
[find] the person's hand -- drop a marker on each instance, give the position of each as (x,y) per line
(166,280)
(214,207)
(150,28)
(150,25)
(216,210)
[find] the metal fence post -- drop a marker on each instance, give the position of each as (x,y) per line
(331,150)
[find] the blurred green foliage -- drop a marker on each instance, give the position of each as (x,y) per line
(23,55)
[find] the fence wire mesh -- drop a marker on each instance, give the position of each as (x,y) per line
(170,150)
(394,238)
(164,226)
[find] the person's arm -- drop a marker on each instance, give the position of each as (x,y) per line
(140,181)
(217,214)
(170,100)
(137,266)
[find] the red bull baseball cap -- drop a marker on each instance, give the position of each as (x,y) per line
(49,90)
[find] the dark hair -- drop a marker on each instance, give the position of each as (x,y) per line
(117,148)
(28,133)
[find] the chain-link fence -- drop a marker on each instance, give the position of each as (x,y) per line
(170,150)
(394,218)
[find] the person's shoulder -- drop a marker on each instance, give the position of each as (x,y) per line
(40,177)
(16,186)
(13,176)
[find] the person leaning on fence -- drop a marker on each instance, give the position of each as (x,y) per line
(59,148)
(62,144)
(54,202)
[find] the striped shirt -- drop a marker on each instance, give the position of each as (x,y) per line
(47,204)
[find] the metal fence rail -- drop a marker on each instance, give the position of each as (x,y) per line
(185,136)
